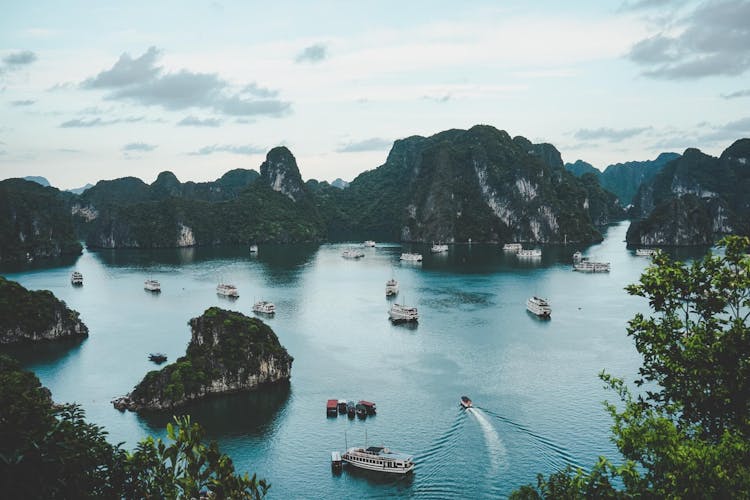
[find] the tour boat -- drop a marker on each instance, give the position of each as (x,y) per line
(645,252)
(577,257)
(227,290)
(152,285)
(157,357)
(466,402)
(411,257)
(391,287)
(76,278)
(539,306)
(512,247)
(369,243)
(589,266)
(530,254)
(253,248)
(400,313)
(379,458)
(332,408)
(264,307)
(439,248)
(351,253)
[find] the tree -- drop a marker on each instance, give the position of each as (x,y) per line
(686,433)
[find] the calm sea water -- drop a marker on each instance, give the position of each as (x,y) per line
(534,383)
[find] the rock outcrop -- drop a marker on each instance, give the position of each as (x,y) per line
(228,352)
(35,316)
(281,173)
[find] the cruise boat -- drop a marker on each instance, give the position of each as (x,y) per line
(438,248)
(645,252)
(466,402)
(352,253)
(152,286)
(264,307)
(391,287)
(539,307)
(369,243)
(589,266)
(227,290)
(379,458)
(512,247)
(530,254)
(76,278)
(400,313)
(253,248)
(411,257)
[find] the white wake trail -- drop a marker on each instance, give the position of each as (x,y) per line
(495,445)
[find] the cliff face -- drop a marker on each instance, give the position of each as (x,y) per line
(35,222)
(228,352)
(695,199)
(281,173)
(27,316)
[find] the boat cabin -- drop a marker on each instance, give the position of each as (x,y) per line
(369,407)
(332,408)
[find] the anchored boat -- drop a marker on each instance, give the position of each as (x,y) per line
(530,254)
(645,252)
(400,313)
(76,279)
(589,266)
(264,307)
(379,458)
(391,287)
(369,243)
(227,290)
(512,247)
(539,307)
(411,257)
(352,253)
(152,286)
(439,248)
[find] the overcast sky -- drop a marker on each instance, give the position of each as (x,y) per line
(92,90)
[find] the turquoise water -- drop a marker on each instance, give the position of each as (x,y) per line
(534,383)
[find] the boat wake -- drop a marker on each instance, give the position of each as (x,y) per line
(436,463)
(492,438)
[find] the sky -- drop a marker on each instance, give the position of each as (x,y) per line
(100,90)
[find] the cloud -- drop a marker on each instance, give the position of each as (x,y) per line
(193,121)
(313,54)
(646,4)
(25,102)
(16,60)
(608,134)
(69,150)
(438,98)
(227,148)
(728,132)
(714,40)
(371,144)
(99,122)
(739,93)
(138,146)
(141,81)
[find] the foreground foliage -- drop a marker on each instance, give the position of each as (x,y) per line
(686,433)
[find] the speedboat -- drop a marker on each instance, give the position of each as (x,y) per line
(466,402)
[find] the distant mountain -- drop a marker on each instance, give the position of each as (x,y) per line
(80,189)
(623,179)
(695,199)
(340,183)
(42,181)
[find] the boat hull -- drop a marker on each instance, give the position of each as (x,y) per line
(378,467)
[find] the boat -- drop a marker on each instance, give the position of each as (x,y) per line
(253,248)
(264,307)
(534,253)
(539,307)
(76,278)
(332,408)
(466,402)
(352,253)
(152,285)
(400,313)
(342,406)
(336,463)
(512,247)
(351,409)
(379,458)
(361,411)
(411,257)
(391,287)
(369,243)
(157,357)
(370,407)
(645,252)
(227,290)
(438,248)
(578,257)
(589,266)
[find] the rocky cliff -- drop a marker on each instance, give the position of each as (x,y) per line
(228,352)
(695,199)
(32,316)
(281,173)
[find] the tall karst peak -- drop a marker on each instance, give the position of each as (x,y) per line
(281,173)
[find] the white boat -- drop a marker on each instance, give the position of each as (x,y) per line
(589,266)
(391,287)
(577,257)
(438,248)
(380,459)
(466,402)
(411,257)
(264,307)
(369,243)
(512,247)
(253,248)
(400,313)
(227,290)
(76,278)
(539,306)
(645,252)
(352,253)
(152,285)
(530,254)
